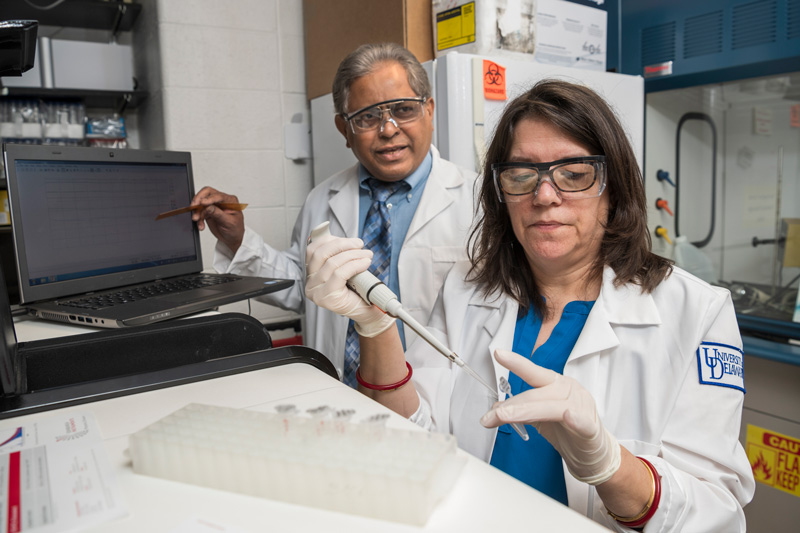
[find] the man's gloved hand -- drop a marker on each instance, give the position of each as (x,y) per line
(330,262)
(564,413)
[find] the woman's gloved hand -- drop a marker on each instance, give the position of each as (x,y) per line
(564,413)
(330,262)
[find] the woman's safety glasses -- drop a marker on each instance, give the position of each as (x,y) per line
(398,111)
(573,178)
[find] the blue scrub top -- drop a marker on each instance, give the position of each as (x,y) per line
(536,462)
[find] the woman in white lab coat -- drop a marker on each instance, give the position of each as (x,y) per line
(626,373)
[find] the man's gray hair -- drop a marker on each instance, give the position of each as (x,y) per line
(365,59)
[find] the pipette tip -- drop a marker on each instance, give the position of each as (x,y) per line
(519,428)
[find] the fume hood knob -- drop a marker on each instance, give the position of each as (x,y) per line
(663,175)
(663,204)
(662,233)
(756,241)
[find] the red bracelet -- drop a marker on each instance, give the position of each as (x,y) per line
(652,505)
(393,386)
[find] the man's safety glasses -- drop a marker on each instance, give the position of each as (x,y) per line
(573,178)
(398,111)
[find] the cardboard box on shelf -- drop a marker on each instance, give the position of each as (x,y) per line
(790,245)
(89,65)
(333,29)
(554,32)
(484,27)
(5,212)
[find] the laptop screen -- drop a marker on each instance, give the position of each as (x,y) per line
(84,219)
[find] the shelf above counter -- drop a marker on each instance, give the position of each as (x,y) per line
(115,100)
(89,14)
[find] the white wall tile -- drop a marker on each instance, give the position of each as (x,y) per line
(271,224)
(212,119)
(132,129)
(291,214)
(222,58)
(237,307)
(207,244)
(290,17)
(232,75)
(255,177)
(293,70)
(295,104)
(299,180)
(151,122)
(268,313)
(298,175)
(243,14)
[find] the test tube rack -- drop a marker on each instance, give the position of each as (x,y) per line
(335,464)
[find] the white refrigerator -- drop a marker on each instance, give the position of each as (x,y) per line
(465,120)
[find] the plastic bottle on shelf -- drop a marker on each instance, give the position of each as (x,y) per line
(693,260)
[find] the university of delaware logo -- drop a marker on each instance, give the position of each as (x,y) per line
(721,364)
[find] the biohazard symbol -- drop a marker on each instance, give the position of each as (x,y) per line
(494,81)
(493,75)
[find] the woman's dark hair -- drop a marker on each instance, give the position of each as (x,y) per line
(498,260)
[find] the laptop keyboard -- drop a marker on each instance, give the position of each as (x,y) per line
(142,292)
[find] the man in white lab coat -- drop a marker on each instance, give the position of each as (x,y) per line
(385,111)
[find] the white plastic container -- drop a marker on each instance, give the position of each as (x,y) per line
(693,260)
(325,462)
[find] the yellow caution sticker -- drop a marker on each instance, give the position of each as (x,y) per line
(5,212)
(775,459)
(455,26)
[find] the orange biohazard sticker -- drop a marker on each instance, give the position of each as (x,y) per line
(775,459)
(794,116)
(494,81)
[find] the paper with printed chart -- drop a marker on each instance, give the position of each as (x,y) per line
(55,475)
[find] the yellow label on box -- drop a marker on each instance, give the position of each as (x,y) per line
(5,212)
(455,26)
(791,257)
(775,459)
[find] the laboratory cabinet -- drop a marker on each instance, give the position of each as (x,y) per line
(683,43)
(770,431)
(722,176)
(722,173)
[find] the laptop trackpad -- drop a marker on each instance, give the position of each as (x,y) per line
(190,296)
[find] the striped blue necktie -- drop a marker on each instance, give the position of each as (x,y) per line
(377,237)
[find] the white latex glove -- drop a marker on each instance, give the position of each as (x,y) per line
(564,413)
(330,262)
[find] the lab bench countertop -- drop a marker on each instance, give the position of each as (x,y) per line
(482,499)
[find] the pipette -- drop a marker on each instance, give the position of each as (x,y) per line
(375,292)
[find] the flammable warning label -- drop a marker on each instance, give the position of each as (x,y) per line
(775,459)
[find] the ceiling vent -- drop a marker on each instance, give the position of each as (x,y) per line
(793,19)
(702,35)
(658,44)
(754,24)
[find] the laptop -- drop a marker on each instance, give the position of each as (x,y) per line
(88,246)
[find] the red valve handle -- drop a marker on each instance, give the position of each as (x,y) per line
(663,204)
